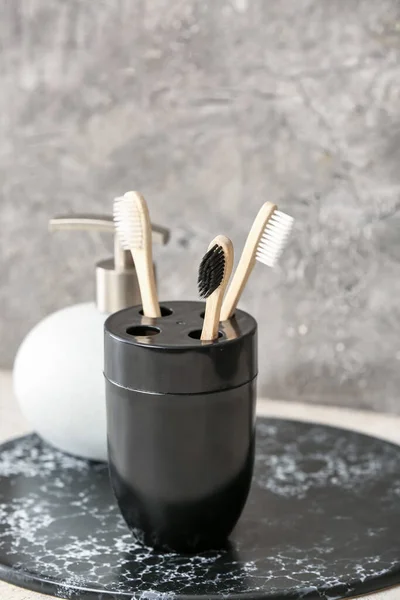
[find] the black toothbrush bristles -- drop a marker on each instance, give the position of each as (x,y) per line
(211,271)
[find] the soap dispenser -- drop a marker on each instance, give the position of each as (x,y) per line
(58,370)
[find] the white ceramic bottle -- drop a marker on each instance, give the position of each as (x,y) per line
(58,369)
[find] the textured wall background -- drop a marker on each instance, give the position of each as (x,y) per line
(210,108)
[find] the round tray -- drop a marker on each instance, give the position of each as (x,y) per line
(322,521)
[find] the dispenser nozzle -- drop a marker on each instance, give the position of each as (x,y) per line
(104,223)
(116,281)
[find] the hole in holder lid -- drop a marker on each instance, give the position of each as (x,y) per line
(196,334)
(164,310)
(142,330)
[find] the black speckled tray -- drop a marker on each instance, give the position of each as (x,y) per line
(322,521)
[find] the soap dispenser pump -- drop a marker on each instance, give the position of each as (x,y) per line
(58,370)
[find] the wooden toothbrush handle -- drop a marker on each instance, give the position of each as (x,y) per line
(211,316)
(246,262)
(143,259)
(214,302)
(238,283)
(147,285)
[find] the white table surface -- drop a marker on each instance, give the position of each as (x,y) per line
(384,426)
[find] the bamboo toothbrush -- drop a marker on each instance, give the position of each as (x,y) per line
(214,272)
(265,243)
(132,222)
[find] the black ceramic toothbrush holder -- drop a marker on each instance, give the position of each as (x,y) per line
(181,423)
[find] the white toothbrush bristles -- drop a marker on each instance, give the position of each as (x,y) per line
(128,222)
(274,238)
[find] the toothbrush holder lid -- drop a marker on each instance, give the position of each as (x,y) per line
(165,355)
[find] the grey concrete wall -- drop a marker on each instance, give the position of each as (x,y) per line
(210,108)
